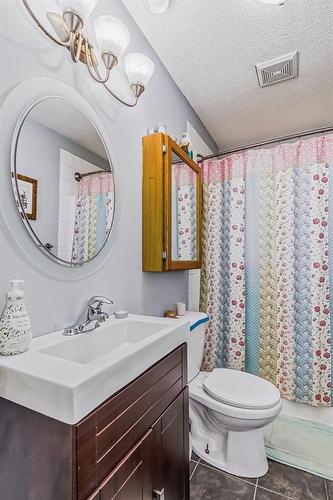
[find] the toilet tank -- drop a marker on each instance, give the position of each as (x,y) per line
(196,344)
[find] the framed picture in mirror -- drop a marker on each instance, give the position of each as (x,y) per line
(28,187)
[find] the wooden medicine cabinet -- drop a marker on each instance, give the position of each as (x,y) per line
(171,191)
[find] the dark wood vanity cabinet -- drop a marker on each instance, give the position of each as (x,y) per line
(134,446)
(155,468)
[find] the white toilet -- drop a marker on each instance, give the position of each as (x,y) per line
(228,411)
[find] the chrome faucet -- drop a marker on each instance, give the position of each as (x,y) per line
(92,316)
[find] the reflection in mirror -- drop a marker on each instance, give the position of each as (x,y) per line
(64,182)
(184,211)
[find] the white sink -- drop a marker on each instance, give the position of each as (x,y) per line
(68,377)
(90,347)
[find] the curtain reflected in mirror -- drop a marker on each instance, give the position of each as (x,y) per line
(63,182)
(93,215)
(184,212)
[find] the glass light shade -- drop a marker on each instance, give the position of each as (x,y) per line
(139,68)
(156,6)
(81,7)
(112,35)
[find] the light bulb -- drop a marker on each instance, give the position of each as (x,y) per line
(139,68)
(156,6)
(81,7)
(112,35)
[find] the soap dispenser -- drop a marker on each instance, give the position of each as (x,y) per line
(15,327)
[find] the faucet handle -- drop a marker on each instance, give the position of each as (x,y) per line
(97,301)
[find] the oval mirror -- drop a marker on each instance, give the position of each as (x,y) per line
(63,181)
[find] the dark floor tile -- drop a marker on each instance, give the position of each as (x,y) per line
(249,479)
(329,489)
(195,457)
(211,484)
(293,483)
(268,495)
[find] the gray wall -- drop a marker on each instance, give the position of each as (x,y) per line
(55,304)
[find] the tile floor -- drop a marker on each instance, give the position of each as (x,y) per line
(281,482)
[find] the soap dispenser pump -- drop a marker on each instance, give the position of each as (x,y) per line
(15,327)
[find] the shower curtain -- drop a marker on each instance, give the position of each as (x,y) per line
(267,266)
(93,215)
(184,199)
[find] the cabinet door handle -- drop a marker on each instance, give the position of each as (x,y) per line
(159,495)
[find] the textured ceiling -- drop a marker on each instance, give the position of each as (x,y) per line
(210,48)
(68,121)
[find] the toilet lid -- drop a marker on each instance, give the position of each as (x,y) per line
(241,389)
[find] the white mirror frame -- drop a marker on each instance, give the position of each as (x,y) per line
(26,96)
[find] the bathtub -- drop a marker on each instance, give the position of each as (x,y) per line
(302,436)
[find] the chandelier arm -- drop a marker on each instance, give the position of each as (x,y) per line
(128,104)
(75,45)
(41,27)
(91,63)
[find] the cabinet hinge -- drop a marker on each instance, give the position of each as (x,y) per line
(164,255)
(164,149)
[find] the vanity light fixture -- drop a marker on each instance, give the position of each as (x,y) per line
(112,38)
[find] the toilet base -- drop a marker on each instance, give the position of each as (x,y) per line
(239,453)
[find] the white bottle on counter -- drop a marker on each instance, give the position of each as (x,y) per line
(15,327)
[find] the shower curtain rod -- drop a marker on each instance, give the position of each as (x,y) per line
(201,158)
(78,176)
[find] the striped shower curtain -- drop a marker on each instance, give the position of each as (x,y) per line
(267,266)
(93,215)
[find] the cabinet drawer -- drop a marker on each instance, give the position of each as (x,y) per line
(117,404)
(132,478)
(107,435)
(123,423)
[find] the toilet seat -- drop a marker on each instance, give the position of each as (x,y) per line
(240,389)
(199,394)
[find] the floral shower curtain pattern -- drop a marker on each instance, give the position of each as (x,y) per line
(184,188)
(93,216)
(267,266)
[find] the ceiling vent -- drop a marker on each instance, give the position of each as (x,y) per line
(277,70)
